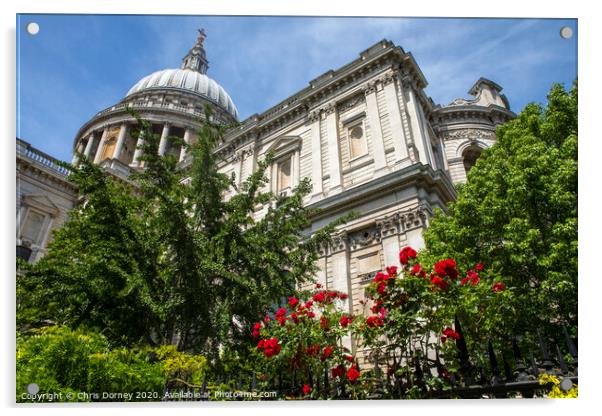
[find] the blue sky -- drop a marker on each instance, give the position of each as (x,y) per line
(78,65)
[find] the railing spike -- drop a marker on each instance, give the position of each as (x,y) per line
(518,361)
(563,368)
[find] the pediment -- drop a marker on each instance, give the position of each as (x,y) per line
(41,202)
(284,144)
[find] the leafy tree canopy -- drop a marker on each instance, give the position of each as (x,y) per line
(518,212)
(165,259)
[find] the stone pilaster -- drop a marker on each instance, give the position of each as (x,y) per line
(341,279)
(418,134)
(389,233)
(316,153)
(397,130)
(378,145)
(333,147)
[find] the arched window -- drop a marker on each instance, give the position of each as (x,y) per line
(470,156)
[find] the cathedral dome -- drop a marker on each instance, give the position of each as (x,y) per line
(187,80)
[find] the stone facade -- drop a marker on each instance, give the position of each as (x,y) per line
(366,135)
(44,199)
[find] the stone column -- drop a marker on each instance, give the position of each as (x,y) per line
(77,152)
(105,132)
(187,141)
(399,139)
(316,153)
(138,151)
(378,144)
(163,142)
(120,141)
(89,145)
(340,275)
(333,147)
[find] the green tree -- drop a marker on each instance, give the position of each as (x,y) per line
(518,212)
(164,259)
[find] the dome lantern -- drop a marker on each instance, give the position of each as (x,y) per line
(196,59)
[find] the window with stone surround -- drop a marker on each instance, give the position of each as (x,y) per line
(470,156)
(356,139)
(284,174)
(31,229)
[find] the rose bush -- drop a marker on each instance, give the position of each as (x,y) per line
(408,311)
(304,340)
(411,311)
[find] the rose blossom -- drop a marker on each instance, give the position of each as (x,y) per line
(353,373)
(498,287)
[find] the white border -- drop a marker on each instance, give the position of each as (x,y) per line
(589,66)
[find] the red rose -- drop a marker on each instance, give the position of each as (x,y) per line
(319,297)
(345,320)
(280,313)
(281,321)
(381,289)
(313,350)
(324,323)
(349,358)
(318,286)
(270,347)
(266,319)
(416,269)
(439,282)
(293,301)
(309,304)
(337,371)
(471,277)
(380,277)
(498,287)
(327,352)
(447,268)
(383,313)
(352,373)
(306,389)
(294,317)
(479,267)
(374,321)
(405,254)
(343,296)
(450,333)
(392,271)
(256,329)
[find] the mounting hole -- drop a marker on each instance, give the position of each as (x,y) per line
(566,32)
(33,28)
(33,388)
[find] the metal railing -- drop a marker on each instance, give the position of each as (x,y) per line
(506,374)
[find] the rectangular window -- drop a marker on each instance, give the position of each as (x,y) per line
(284,174)
(32,227)
(357,141)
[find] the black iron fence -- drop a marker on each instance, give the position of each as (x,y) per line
(509,371)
